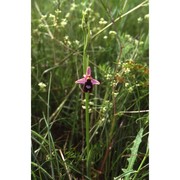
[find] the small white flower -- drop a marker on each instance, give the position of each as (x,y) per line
(103,119)
(88,10)
(126,70)
(64,22)
(102,21)
(108,76)
(127,36)
(66,37)
(130,89)
(130,39)
(77,42)
(51,15)
(126,84)
(112,32)
(91,103)
(115,94)
(42,85)
(57,11)
(136,42)
(140,19)
(104,109)
(43,17)
(146,16)
(141,43)
(67,15)
(73,6)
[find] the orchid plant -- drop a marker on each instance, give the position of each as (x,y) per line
(88,81)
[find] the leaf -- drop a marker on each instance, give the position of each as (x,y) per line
(127,173)
(133,155)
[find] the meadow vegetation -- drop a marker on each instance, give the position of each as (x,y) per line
(112,38)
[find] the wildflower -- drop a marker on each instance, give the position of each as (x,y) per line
(42,87)
(108,76)
(136,42)
(86,11)
(73,6)
(67,15)
(43,17)
(51,15)
(112,32)
(130,89)
(88,81)
(140,19)
(146,16)
(76,42)
(141,43)
(126,70)
(64,22)
(67,41)
(126,84)
(127,36)
(57,11)
(102,21)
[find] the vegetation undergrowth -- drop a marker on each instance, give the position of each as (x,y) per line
(97,135)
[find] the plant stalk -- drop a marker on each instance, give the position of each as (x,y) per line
(86,31)
(87,136)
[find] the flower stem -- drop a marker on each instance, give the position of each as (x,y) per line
(87,121)
(87,135)
(86,33)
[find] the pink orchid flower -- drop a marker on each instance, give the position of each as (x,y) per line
(88,81)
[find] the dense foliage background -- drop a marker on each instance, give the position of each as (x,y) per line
(118,56)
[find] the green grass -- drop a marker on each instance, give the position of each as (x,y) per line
(66,37)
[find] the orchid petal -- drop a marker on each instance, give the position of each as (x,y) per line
(88,71)
(94,81)
(81,81)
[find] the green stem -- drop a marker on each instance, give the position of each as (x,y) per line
(48,127)
(87,136)
(86,32)
(87,121)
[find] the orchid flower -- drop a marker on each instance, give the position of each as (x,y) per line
(88,81)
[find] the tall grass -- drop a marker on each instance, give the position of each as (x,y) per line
(98,135)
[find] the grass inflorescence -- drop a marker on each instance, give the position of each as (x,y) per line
(97,135)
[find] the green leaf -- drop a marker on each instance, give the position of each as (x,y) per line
(133,156)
